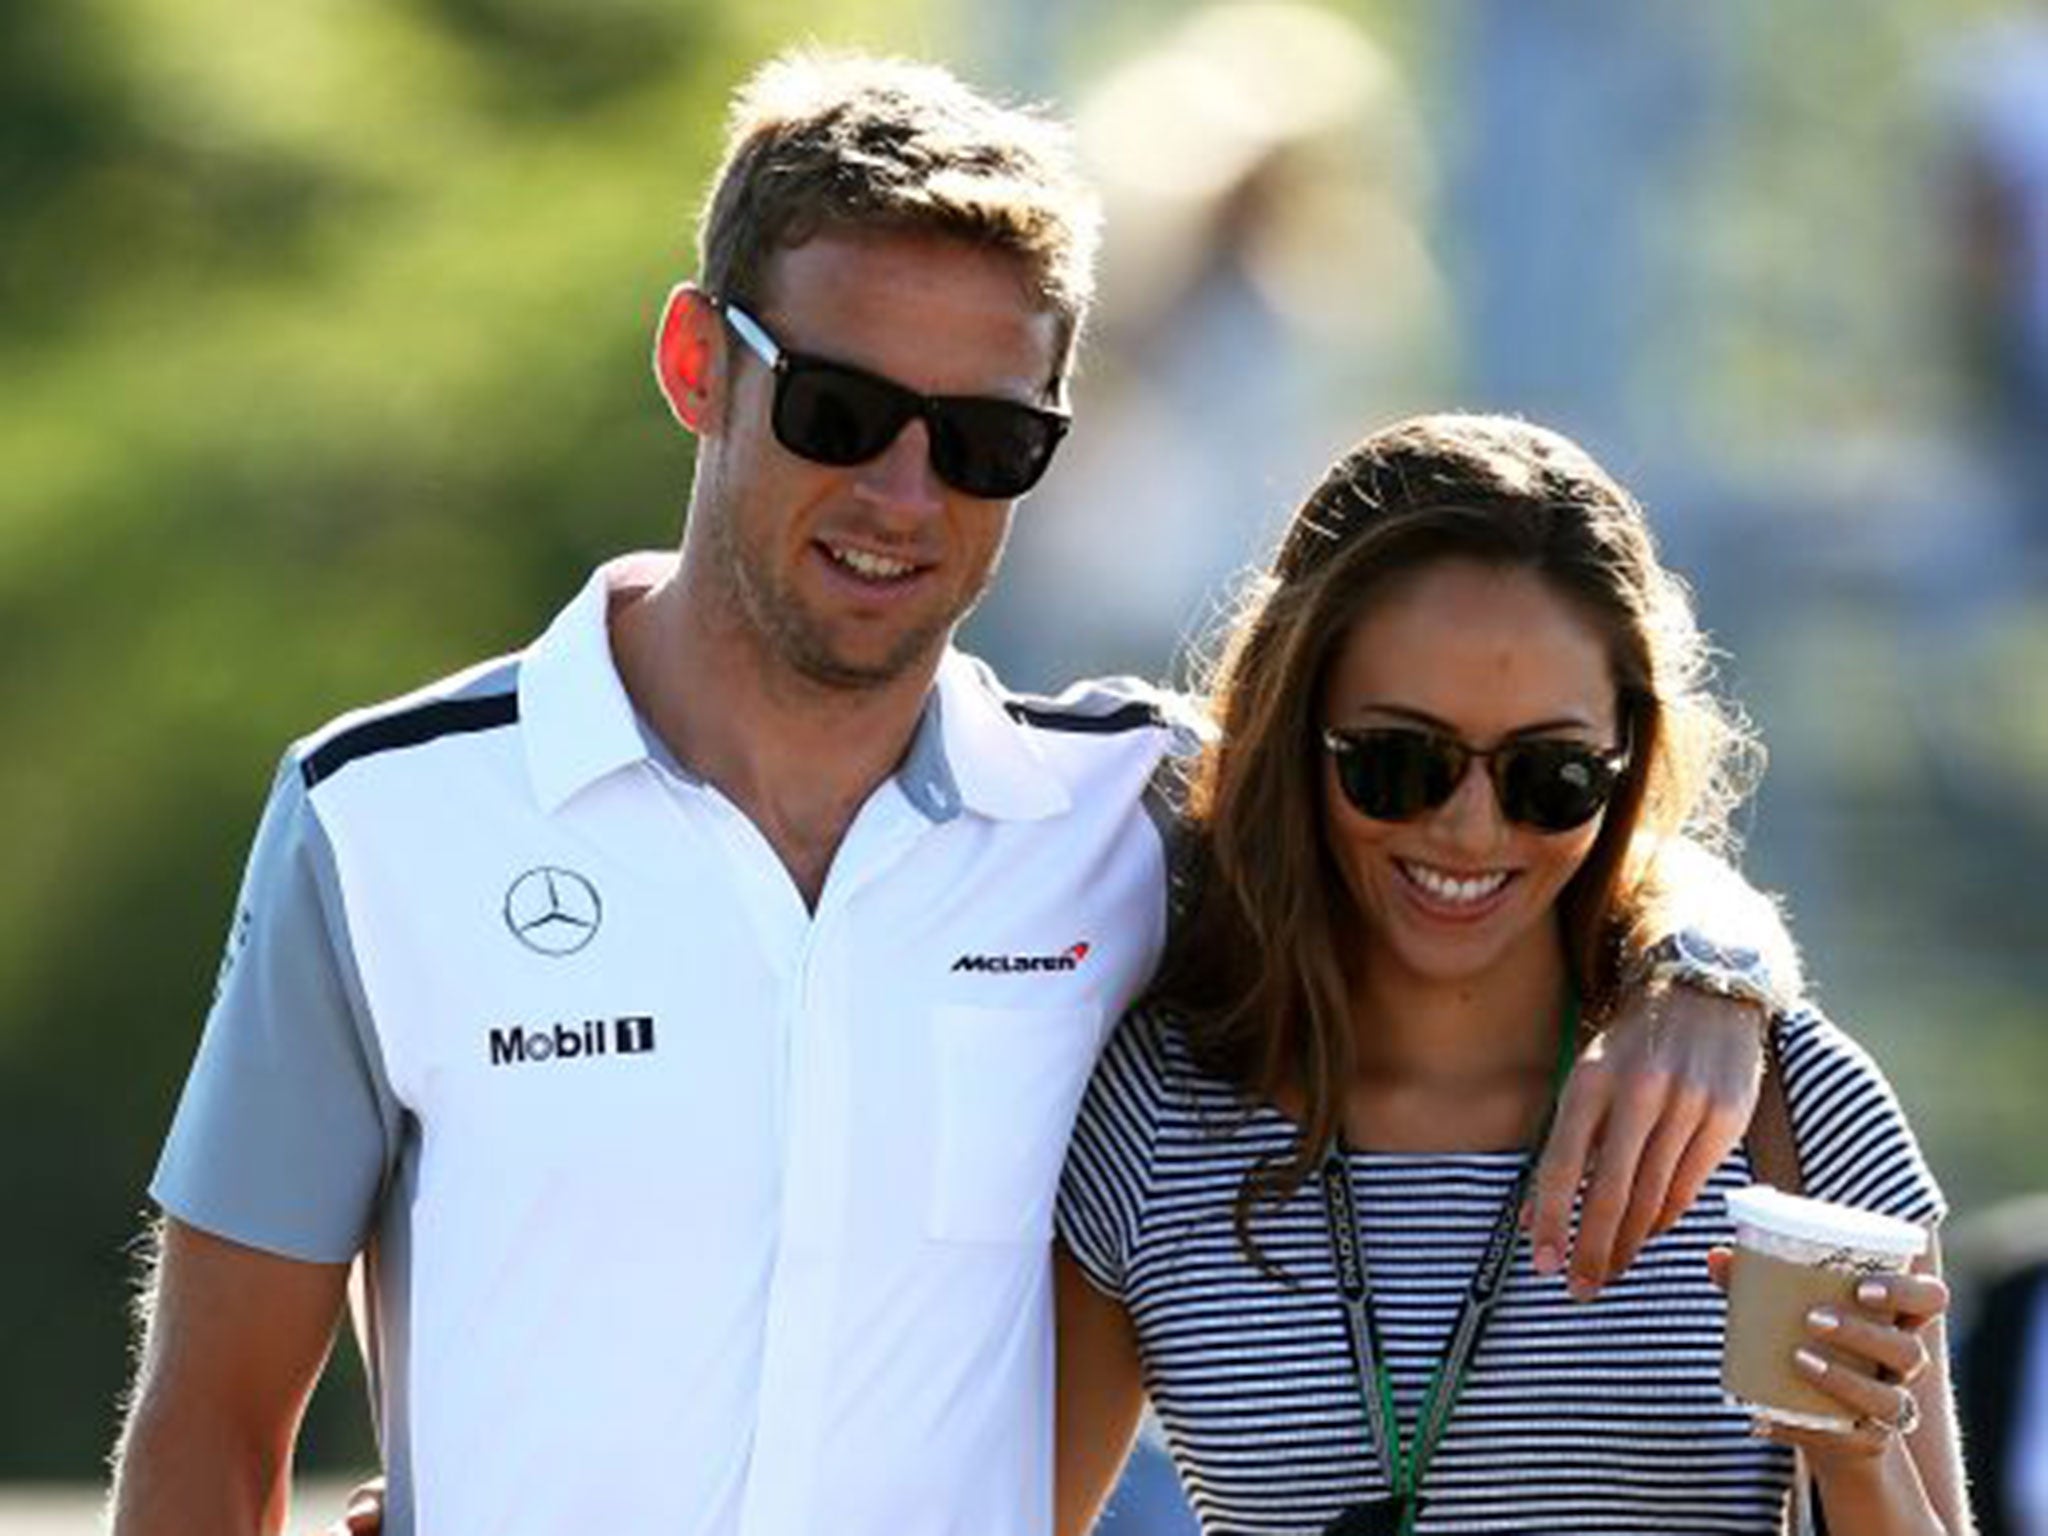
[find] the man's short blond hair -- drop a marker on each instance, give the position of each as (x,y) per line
(817,140)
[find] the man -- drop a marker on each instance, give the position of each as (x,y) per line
(684,1018)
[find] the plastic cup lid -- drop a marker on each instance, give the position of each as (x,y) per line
(1825,1222)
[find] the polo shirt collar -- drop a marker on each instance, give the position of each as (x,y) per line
(575,715)
(579,723)
(996,767)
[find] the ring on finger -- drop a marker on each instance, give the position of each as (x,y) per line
(1907,1419)
(1903,1422)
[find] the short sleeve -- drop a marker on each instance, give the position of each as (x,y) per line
(1855,1143)
(287,1129)
(1109,1161)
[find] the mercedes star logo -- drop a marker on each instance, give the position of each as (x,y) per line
(553,911)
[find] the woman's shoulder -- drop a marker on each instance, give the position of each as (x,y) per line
(1145,1093)
(1855,1141)
(1151,1086)
(1154,1045)
(1805,1037)
(1149,1040)
(1827,1071)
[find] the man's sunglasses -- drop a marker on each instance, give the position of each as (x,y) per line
(830,413)
(1395,773)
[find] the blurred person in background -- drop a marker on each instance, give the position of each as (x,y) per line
(1458,723)
(1997,104)
(2002,1364)
(1235,154)
(683,1018)
(1228,349)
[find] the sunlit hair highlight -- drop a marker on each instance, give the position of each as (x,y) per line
(820,140)
(1259,970)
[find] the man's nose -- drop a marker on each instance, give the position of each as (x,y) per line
(900,479)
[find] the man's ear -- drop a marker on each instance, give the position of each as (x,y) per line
(689,355)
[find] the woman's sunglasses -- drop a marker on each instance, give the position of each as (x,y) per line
(830,413)
(1395,773)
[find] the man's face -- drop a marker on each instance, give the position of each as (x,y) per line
(854,577)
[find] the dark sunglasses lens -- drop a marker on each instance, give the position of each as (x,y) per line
(1393,775)
(992,448)
(1554,786)
(834,416)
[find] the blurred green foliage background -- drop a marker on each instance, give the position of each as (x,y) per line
(322,342)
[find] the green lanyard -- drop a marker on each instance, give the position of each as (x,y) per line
(1405,1468)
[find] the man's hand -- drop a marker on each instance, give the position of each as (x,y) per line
(364,1515)
(1653,1106)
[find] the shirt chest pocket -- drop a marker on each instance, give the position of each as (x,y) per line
(1008,1085)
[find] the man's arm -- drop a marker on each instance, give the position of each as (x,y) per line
(1655,1103)
(234,1341)
(1666,1091)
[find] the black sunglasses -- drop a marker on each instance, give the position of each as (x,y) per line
(1395,773)
(831,413)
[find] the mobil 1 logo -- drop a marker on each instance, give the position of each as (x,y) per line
(522,1045)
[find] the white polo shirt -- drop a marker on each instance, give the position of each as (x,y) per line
(689,1210)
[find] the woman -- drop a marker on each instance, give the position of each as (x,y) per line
(1464,704)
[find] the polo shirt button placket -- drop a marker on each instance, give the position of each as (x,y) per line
(798,1319)
(818,1160)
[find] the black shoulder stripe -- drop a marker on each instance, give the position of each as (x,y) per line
(1134,716)
(409,728)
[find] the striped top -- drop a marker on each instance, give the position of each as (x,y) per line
(1601,1416)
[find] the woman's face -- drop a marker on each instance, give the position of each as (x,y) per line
(1484,654)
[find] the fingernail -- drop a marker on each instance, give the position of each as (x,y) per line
(1548,1260)
(1583,1289)
(1872,1293)
(1809,1362)
(1824,1319)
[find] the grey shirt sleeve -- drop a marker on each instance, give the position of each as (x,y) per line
(287,1131)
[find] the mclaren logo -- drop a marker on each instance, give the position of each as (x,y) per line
(515,1045)
(1068,959)
(553,911)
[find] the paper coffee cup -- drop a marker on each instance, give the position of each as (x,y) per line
(1793,1254)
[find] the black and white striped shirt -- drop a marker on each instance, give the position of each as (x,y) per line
(1575,1417)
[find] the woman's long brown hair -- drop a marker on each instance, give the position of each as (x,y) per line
(1260,970)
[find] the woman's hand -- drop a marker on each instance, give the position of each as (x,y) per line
(1869,1356)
